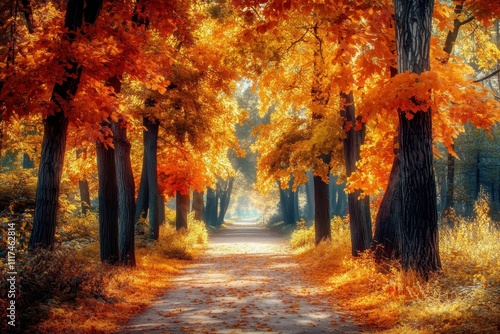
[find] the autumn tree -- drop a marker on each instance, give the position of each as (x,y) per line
(55,130)
(419,247)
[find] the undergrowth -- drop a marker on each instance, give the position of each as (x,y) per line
(68,290)
(463,298)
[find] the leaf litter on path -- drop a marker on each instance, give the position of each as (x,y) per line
(246,282)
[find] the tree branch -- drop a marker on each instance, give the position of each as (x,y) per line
(488,76)
(470,19)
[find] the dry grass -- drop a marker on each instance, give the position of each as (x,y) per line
(464,298)
(72,292)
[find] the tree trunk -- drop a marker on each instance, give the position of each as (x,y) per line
(150,156)
(197,204)
(49,178)
(108,204)
(310,195)
(295,197)
(320,96)
(419,232)
(55,133)
(126,191)
(181,210)
(450,181)
(322,226)
(359,209)
(387,238)
(332,194)
(141,205)
(84,196)
(161,209)
(478,177)
(341,207)
(211,207)
(224,194)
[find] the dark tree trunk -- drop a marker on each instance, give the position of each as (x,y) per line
(320,96)
(84,195)
(108,204)
(310,196)
(285,205)
(450,181)
(332,194)
(161,209)
(341,207)
(289,203)
(359,209)
(224,189)
(83,186)
(322,226)
(126,191)
(150,152)
(181,211)
(211,207)
(387,238)
(55,133)
(49,178)
(141,205)
(419,232)
(197,204)
(295,197)
(478,177)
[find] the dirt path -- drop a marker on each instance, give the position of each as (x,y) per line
(245,283)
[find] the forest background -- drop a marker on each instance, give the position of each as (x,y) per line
(285,110)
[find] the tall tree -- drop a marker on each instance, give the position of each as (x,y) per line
(56,128)
(126,192)
(359,208)
(419,232)
(108,201)
(211,210)
(181,211)
(197,206)
(320,96)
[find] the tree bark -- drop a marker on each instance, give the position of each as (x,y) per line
(84,196)
(419,233)
(197,204)
(108,204)
(224,189)
(322,226)
(161,209)
(142,203)
(126,191)
(211,207)
(450,182)
(387,238)
(359,208)
(341,207)
(181,210)
(320,95)
(55,133)
(150,156)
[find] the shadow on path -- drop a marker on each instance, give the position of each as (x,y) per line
(246,282)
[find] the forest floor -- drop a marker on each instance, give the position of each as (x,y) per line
(247,281)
